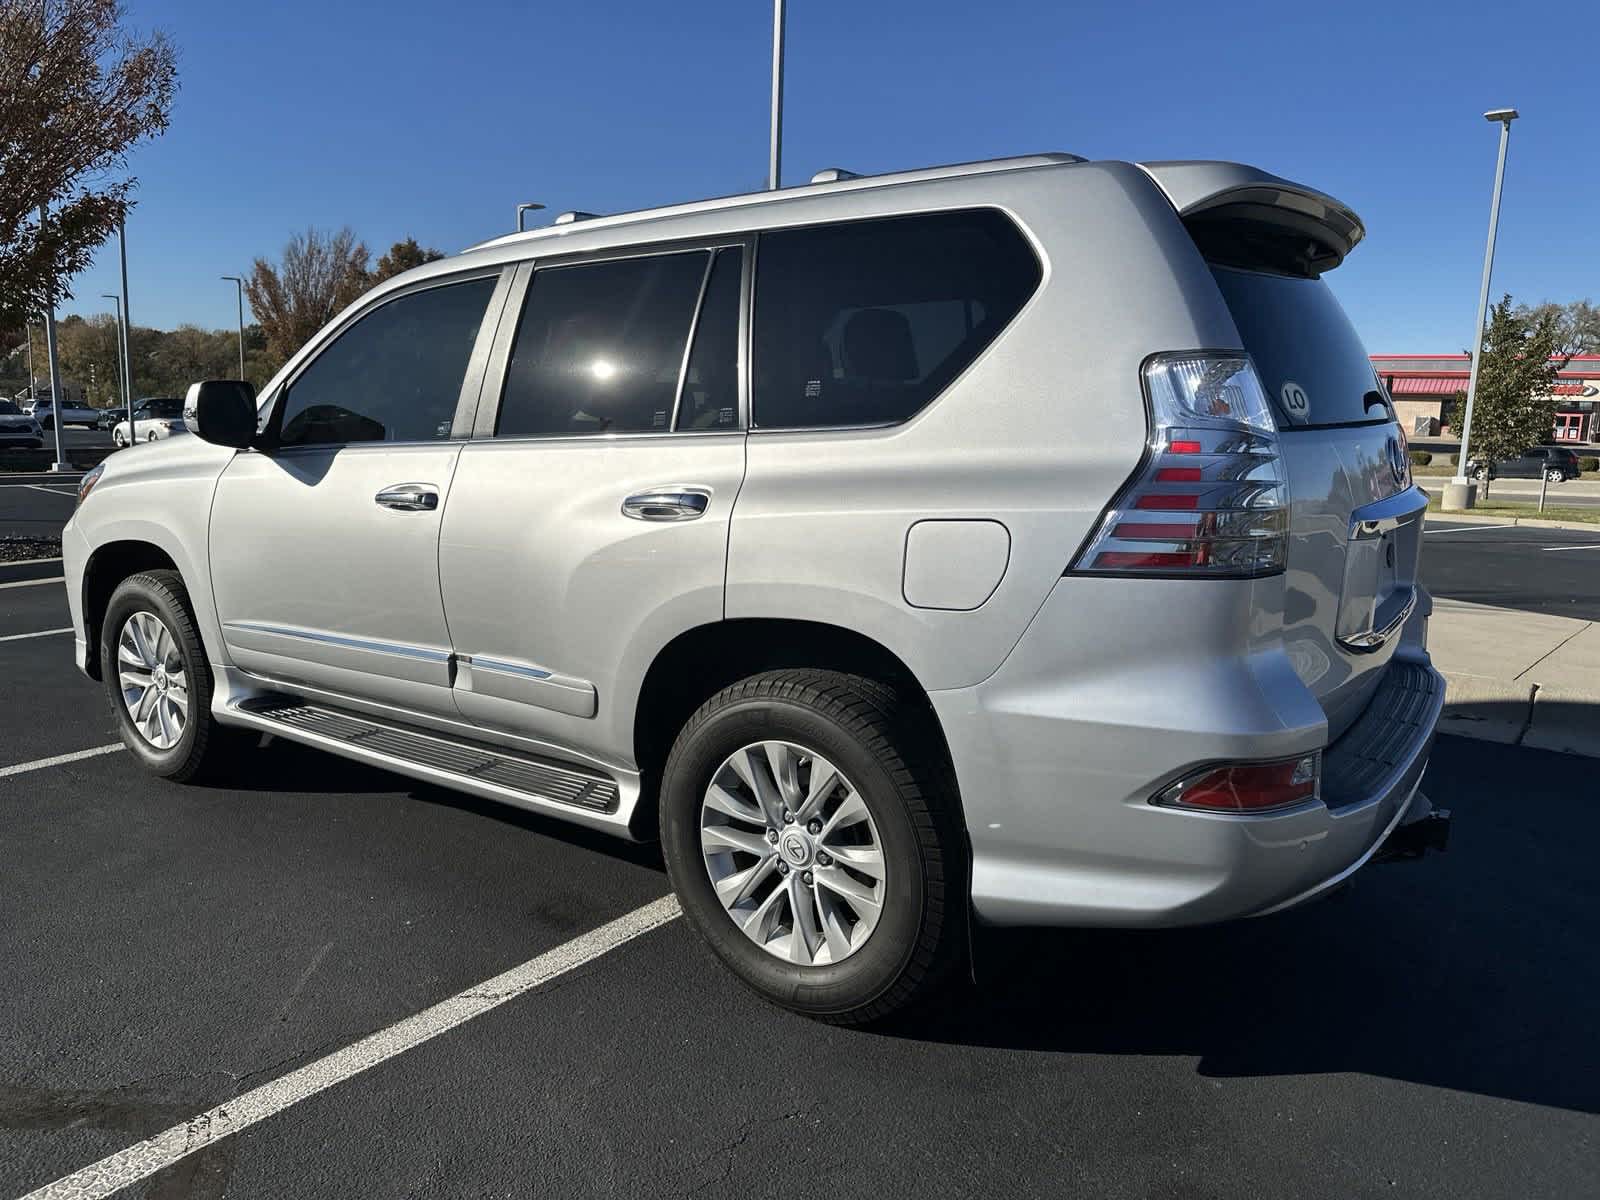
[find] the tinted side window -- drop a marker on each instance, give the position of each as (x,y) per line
(395,375)
(600,347)
(866,322)
(710,397)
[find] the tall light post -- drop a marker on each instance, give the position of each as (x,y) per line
(775,154)
(125,319)
(122,366)
(32,389)
(239,284)
(60,463)
(1458,493)
(522,208)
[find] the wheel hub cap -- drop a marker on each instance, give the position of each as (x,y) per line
(153,680)
(792,852)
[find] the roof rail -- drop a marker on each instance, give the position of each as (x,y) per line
(576,214)
(834,175)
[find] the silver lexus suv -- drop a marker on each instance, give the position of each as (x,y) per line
(1027,540)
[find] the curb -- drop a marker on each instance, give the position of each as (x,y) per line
(1531,522)
(1521,714)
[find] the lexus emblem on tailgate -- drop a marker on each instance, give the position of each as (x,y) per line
(1397,461)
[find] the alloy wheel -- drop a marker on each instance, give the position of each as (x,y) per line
(792,853)
(153,680)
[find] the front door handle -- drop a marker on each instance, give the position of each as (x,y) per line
(409,497)
(675,503)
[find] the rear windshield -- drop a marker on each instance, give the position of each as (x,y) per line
(1311,362)
(163,408)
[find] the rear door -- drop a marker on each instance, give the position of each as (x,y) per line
(588,517)
(1355,518)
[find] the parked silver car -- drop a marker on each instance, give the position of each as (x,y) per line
(1028,539)
(18,430)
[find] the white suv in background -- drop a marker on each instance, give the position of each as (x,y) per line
(1028,540)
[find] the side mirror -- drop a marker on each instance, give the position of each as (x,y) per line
(222,411)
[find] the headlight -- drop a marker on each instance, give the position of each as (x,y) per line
(86,484)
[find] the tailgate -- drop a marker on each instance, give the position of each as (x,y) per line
(1355,520)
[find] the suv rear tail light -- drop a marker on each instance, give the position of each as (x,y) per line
(1249,787)
(1209,499)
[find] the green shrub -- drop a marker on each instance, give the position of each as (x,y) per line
(1589,464)
(1420,458)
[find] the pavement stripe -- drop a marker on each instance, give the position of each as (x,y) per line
(19,637)
(144,1159)
(28,562)
(1590,546)
(40,764)
(1466,528)
(34,582)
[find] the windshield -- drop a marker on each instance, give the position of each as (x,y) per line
(160,408)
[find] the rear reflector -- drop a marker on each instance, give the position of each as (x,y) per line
(1213,454)
(1248,787)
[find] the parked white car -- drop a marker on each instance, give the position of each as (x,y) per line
(17,428)
(153,419)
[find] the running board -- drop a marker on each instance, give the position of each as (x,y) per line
(472,766)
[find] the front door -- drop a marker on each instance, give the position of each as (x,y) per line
(324,548)
(588,520)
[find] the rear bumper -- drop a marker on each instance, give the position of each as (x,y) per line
(1056,776)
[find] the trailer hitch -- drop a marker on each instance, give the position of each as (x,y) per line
(1416,837)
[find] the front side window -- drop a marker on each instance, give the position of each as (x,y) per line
(393,376)
(600,346)
(864,323)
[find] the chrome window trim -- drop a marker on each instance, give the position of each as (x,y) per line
(688,342)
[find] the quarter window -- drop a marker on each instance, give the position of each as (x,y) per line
(865,323)
(395,375)
(599,347)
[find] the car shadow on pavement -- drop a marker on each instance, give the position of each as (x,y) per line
(1475,970)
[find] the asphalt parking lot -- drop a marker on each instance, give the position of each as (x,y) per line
(169,953)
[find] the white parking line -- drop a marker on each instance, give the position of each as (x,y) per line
(28,562)
(1464,528)
(34,582)
(19,637)
(40,764)
(39,487)
(1590,546)
(143,1160)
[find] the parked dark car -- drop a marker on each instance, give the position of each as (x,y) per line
(1555,463)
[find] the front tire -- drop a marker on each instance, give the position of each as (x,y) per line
(1554,476)
(120,442)
(157,678)
(811,832)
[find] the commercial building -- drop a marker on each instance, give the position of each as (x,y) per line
(1430,389)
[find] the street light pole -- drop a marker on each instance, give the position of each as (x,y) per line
(775,156)
(60,463)
(122,372)
(1459,492)
(126,318)
(33,393)
(522,208)
(239,284)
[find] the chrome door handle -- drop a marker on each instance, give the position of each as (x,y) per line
(667,504)
(409,497)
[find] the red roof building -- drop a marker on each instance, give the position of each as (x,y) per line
(1429,389)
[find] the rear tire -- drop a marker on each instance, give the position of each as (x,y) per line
(883,916)
(149,634)
(1555,476)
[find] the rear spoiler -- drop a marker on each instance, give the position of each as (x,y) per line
(1243,217)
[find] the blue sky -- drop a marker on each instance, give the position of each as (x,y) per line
(436,119)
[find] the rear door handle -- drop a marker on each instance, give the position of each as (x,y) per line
(674,503)
(409,497)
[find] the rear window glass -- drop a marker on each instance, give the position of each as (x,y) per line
(1311,361)
(865,323)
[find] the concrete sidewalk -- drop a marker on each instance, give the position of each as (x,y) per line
(1517,677)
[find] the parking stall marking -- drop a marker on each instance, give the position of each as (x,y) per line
(57,760)
(29,562)
(140,1161)
(1590,546)
(1466,528)
(34,582)
(21,637)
